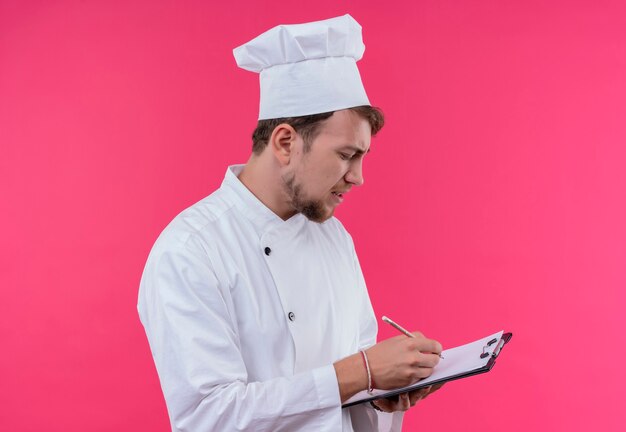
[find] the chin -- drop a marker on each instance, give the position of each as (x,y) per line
(317,214)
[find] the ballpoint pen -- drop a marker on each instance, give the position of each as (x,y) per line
(401,329)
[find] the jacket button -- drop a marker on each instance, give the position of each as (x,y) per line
(291,316)
(268,251)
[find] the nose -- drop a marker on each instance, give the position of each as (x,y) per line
(354,175)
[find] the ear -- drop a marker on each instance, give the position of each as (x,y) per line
(282,142)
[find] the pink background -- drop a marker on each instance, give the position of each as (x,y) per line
(495,197)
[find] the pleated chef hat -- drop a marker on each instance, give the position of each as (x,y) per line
(306,68)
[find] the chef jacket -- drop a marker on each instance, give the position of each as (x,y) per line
(246,313)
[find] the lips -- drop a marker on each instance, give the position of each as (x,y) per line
(338,196)
(340,192)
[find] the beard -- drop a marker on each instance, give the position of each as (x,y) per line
(314,210)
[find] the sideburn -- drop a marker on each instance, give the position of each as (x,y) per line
(312,210)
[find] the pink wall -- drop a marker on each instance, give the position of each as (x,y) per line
(495,198)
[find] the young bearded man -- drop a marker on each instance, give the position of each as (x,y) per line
(253,299)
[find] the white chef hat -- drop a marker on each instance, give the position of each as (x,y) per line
(306,68)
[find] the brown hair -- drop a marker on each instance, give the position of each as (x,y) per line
(308,126)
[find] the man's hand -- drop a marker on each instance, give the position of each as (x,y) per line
(405,400)
(395,362)
(401,361)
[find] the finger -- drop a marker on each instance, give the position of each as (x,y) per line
(389,404)
(434,389)
(401,404)
(427,360)
(422,372)
(382,404)
(437,387)
(429,346)
(398,403)
(415,396)
(404,402)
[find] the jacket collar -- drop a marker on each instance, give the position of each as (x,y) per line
(259,215)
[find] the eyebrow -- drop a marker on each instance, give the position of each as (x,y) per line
(355,149)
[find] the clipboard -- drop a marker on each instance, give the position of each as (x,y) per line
(467,360)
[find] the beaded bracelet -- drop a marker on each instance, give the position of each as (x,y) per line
(370,379)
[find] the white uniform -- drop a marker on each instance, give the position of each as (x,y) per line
(246,313)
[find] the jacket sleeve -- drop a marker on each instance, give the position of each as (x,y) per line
(365,417)
(187,315)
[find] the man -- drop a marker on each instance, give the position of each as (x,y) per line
(253,299)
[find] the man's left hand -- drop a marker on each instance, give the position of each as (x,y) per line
(406,400)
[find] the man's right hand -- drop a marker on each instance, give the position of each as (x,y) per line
(400,361)
(396,362)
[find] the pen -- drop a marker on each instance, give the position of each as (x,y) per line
(401,329)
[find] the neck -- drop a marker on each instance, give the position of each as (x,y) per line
(262,176)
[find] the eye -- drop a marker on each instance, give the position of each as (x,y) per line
(345,156)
